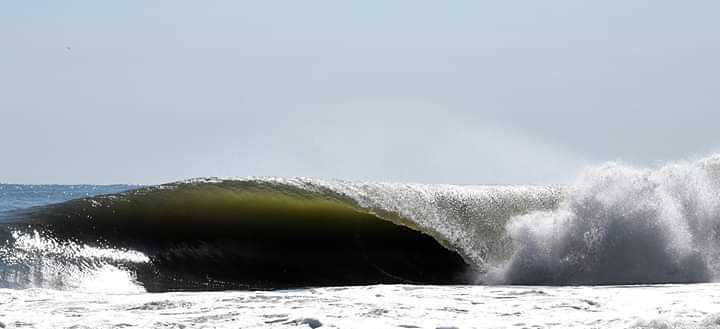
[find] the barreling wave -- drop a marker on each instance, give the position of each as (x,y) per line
(276,233)
(615,225)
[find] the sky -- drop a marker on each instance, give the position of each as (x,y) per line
(460,92)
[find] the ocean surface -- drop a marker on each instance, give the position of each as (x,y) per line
(620,247)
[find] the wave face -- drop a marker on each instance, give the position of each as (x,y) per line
(260,233)
(614,225)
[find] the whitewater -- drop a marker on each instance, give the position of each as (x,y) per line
(619,247)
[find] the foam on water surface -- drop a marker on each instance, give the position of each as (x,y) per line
(380,306)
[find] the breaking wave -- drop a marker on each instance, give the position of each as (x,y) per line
(615,224)
(259,233)
(622,225)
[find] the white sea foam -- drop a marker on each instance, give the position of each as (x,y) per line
(620,224)
(37,261)
(35,243)
(382,306)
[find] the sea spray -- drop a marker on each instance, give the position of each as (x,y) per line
(621,225)
(34,260)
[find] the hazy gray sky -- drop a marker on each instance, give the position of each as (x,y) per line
(426,91)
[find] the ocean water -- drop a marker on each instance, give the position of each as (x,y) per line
(620,247)
(376,306)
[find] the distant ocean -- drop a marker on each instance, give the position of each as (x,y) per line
(621,247)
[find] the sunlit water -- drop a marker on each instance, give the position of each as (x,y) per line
(394,306)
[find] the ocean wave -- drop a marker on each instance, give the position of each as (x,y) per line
(278,233)
(615,225)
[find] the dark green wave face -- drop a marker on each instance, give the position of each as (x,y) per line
(250,235)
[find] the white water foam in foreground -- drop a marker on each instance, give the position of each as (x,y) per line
(394,306)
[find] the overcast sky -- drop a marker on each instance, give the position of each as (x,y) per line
(465,92)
